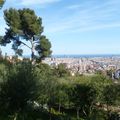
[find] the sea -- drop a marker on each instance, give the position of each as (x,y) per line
(86,56)
(81,56)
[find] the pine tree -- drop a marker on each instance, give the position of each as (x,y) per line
(1,3)
(25,28)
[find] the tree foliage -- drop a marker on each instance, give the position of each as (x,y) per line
(25,29)
(1,3)
(18,90)
(61,71)
(43,48)
(35,92)
(111,98)
(83,98)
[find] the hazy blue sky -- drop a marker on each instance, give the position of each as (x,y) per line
(75,26)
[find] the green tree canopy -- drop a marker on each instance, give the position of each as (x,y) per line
(83,98)
(43,48)
(25,28)
(18,89)
(1,3)
(61,70)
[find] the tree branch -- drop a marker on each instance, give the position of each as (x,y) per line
(26,45)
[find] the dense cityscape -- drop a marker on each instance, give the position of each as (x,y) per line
(39,82)
(88,65)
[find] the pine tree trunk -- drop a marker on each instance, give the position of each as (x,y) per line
(50,113)
(78,113)
(32,55)
(32,50)
(108,112)
(15,117)
(59,107)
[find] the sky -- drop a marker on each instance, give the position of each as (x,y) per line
(74,26)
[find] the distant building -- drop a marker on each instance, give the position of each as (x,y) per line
(117,74)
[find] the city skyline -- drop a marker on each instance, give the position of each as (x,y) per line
(75,27)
